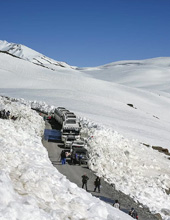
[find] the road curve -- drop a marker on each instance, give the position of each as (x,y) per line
(108,193)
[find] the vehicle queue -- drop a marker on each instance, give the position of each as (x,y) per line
(70,135)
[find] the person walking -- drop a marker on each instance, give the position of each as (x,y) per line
(63,157)
(3,114)
(84,181)
(80,158)
(97,184)
(7,114)
(116,204)
(133,213)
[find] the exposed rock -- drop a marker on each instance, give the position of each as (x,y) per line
(166,211)
(158,216)
(155,116)
(147,145)
(162,150)
(131,105)
(167,191)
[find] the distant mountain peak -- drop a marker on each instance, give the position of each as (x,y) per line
(26,53)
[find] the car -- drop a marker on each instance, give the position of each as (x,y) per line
(78,144)
(68,140)
(79,156)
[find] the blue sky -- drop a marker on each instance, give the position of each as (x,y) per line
(89,32)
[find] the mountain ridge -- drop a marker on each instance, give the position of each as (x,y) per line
(28,54)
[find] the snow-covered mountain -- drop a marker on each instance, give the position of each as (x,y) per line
(151,74)
(130,100)
(102,94)
(28,54)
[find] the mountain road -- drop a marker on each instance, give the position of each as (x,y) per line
(108,193)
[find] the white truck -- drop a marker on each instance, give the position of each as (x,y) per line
(59,114)
(70,125)
(68,115)
(70,128)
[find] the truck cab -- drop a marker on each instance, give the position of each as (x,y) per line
(69,133)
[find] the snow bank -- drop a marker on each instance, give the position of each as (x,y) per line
(30,187)
(135,169)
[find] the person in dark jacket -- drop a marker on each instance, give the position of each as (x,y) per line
(80,159)
(63,157)
(3,114)
(97,184)
(84,181)
(133,213)
(116,204)
(7,114)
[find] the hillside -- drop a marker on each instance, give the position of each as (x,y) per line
(127,101)
(101,94)
(151,74)
(25,53)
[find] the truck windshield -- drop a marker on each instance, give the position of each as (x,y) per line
(70,131)
(81,152)
(70,116)
(71,122)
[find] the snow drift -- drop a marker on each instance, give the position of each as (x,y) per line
(28,180)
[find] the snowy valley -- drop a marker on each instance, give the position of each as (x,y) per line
(124,106)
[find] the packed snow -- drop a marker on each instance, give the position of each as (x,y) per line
(122,105)
(135,169)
